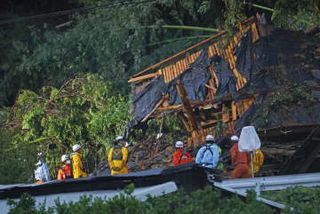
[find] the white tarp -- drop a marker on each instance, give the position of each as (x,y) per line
(249,139)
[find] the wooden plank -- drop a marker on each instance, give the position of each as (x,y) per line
(180,69)
(181,53)
(234,110)
(140,78)
(175,70)
(186,105)
(173,107)
(153,110)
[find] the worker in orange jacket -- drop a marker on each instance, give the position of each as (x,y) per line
(65,171)
(180,156)
(239,160)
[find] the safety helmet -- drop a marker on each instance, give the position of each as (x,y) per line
(209,138)
(76,147)
(119,138)
(234,138)
(64,158)
(179,144)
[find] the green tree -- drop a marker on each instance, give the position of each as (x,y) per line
(81,111)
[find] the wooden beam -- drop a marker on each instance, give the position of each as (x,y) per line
(186,105)
(181,53)
(167,108)
(144,77)
(154,109)
(247,21)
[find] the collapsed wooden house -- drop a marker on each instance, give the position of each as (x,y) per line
(200,117)
(255,77)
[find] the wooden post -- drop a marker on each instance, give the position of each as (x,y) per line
(195,128)
(186,104)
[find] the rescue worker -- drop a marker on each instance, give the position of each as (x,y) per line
(65,171)
(239,160)
(41,173)
(208,155)
(118,157)
(258,159)
(77,165)
(180,156)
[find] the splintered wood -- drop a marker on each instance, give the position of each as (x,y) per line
(202,122)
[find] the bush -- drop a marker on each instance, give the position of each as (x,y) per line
(301,199)
(206,200)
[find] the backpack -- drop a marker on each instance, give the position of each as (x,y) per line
(117,152)
(207,148)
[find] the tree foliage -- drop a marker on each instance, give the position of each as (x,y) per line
(117,41)
(114,42)
(82,111)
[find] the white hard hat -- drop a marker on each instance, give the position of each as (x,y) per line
(76,147)
(119,138)
(234,138)
(179,144)
(209,138)
(64,158)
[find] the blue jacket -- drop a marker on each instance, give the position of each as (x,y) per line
(42,172)
(208,156)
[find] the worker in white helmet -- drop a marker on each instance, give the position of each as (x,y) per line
(65,171)
(208,155)
(118,157)
(77,165)
(180,156)
(41,173)
(239,160)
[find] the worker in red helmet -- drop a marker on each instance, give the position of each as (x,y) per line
(239,160)
(180,156)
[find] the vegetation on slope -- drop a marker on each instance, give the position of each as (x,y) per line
(37,59)
(200,201)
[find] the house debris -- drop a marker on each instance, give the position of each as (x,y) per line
(223,83)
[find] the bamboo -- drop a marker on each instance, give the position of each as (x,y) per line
(261,7)
(186,27)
